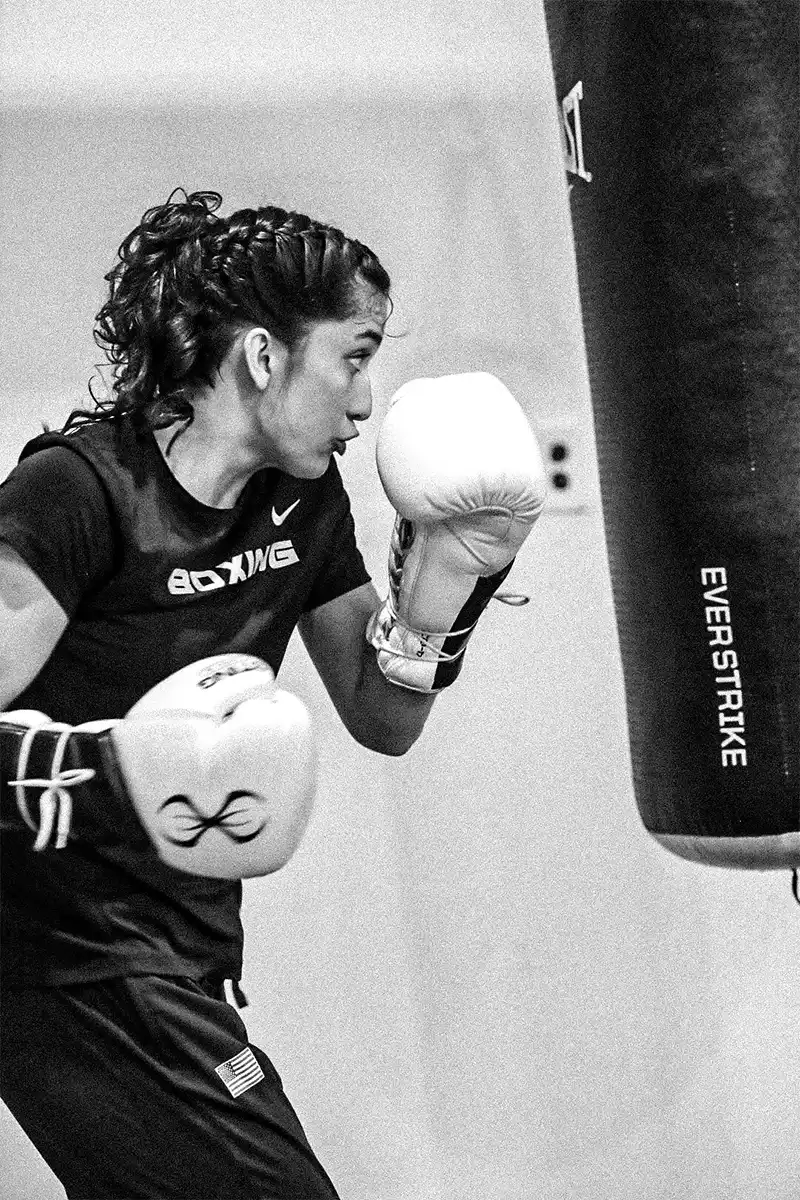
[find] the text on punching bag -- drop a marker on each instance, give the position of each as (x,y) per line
(727,675)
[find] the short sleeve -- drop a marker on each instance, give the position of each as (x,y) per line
(55,515)
(343,568)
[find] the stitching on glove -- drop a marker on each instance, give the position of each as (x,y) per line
(494,510)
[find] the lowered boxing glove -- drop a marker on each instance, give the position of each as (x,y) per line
(218,764)
(460,464)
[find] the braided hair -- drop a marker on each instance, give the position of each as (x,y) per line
(187,281)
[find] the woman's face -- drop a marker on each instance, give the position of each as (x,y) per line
(318,392)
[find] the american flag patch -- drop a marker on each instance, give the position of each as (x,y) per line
(240,1072)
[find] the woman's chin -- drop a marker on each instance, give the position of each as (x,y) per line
(309,467)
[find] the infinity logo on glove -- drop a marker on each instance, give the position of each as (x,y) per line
(229,819)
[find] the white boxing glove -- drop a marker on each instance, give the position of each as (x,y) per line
(218,764)
(462,468)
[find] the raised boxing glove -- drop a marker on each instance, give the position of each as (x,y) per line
(461,466)
(216,762)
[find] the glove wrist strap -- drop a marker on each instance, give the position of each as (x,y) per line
(423,661)
(53,760)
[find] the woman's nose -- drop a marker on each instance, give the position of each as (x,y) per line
(361,408)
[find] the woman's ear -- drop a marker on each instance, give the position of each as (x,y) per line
(256,348)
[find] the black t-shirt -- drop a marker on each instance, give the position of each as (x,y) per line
(151,580)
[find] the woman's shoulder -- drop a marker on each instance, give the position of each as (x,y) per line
(86,437)
(110,446)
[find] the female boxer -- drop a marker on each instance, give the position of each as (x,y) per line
(183,529)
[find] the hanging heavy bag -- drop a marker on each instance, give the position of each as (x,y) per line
(681,140)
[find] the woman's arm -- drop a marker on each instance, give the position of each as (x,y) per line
(31,623)
(380,715)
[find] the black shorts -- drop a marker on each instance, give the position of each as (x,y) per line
(148,1087)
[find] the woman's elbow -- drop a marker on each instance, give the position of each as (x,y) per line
(390,740)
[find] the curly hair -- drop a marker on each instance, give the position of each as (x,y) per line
(187,281)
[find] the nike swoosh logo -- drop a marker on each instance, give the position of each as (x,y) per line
(279,518)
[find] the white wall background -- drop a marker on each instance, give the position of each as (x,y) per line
(478,976)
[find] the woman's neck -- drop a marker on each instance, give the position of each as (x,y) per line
(214,471)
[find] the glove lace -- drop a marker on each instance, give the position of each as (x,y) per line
(55,801)
(428,650)
(426,637)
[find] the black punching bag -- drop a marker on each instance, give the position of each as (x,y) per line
(680,125)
